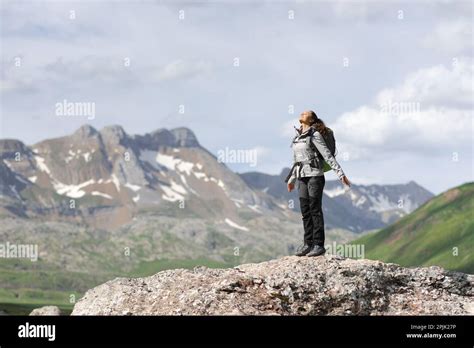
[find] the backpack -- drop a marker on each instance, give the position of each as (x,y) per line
(330,143)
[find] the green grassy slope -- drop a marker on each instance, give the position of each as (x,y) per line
(440,232)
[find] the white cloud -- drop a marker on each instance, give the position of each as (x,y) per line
(430,111)
(183,69)
(453,37)
(283,62)
(435,86)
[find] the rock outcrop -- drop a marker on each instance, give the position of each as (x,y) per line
(328,285)
(46,310)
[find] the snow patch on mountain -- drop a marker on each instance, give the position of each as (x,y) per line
(115,180)
(97,193)
(177,188)
(235,225)
(73,191)
(360,201)
(337,191)
(132,187)
(7,164)
(218,182)
(255,208)
(238,202)
(378,201)
(201,175)
(74,155)
(170,194)
(184,181)
(41,165)
(76,191)
(157,160)
(381,203)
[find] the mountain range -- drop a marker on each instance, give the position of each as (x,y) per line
(103,203)
(358,209)
(106,178)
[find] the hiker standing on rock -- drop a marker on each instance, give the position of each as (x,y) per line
(314,149)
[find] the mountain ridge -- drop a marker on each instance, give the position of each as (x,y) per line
(439,232)
(363,207)
(100,163)
(109,173)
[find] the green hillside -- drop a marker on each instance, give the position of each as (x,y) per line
(440,232)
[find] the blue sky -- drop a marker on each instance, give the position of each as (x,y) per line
(346,60)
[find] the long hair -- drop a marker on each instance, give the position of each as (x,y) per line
(317,124)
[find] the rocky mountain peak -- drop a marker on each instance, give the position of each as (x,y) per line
(327,285)
(9,147)
(113,134)
(184,137)
(177,137)
(162,136)
(85,131)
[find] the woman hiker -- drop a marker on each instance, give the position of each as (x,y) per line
(308,169)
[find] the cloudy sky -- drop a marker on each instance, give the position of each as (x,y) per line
(393,79)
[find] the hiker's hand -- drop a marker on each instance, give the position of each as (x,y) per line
(345,181)
(291,187)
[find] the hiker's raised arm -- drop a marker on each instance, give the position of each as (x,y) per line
(320,144)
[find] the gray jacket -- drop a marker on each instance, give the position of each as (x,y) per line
(305,159)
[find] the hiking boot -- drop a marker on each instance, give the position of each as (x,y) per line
(303,250)
(317,250)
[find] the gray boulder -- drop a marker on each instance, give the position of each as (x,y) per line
(46,310)
(328,285)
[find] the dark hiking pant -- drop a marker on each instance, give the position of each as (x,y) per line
(311,195)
